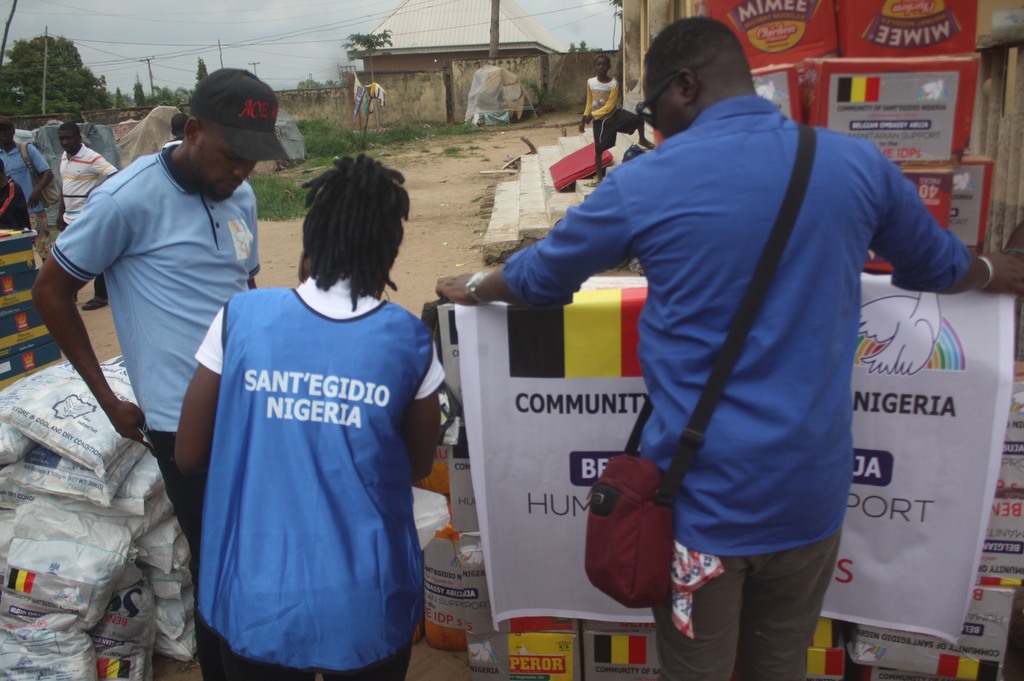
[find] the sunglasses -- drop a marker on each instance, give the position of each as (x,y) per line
(645,109)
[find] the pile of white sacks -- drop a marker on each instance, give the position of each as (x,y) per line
(94,567)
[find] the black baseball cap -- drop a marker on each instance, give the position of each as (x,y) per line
(245,108)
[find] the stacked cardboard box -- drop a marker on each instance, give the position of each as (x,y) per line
(901,74)
(25,343)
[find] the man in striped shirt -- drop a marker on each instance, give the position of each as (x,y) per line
(81,171)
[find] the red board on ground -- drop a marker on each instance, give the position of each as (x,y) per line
(578,164)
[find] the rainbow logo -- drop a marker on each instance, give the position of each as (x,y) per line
(947,352)
(1017,403)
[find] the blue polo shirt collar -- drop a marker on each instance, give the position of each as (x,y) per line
(735,106)
(183,183)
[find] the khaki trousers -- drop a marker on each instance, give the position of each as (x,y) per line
(758,616)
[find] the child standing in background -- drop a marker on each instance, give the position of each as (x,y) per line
(608,117)
(316,409)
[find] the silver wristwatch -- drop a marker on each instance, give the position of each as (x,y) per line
(471,285)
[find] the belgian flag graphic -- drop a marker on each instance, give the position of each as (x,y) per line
(967,668)
(594,337)
(825,661)
(113,668)
(858,89)
(21,580)
(620,649)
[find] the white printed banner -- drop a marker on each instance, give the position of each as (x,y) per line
(550,394)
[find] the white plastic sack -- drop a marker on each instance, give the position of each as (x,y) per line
(6,535)
(164,546)
(124,637)
(55,408)
(143,482)
(13,444)
(182,647)
(174,614)
(29,654)
(45,471)
(12,495)
(431,512)
(61,563)
(168,585)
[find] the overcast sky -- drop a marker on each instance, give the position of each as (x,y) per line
(288,40)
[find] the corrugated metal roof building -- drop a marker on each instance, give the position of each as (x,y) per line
(426,33)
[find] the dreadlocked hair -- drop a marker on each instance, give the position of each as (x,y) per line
(353,226)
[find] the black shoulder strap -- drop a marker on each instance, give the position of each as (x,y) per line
(693,436)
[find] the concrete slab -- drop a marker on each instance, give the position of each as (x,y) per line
(533,215)
(502,237)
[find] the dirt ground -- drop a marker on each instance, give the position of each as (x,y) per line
(451,184)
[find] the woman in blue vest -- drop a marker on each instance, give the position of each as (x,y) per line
(315,409)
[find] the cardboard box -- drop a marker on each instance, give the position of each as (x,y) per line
(934,185)
(523,625)
(1008,24)
(15,367)
(774,31)
(449,348)
(476,598)
(909,28)
(977,654)
(972,190)
(1002,554)
(22,331)
(16,291)
(532,657)
(18,261)
(462,497)
(780,85)
(1011,468)
(629,656)
(882,674)
(912,109)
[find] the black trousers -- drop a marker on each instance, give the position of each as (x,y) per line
(241,669)
(186,493)
(99,286)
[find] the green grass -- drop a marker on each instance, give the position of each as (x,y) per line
(284,199)
(278,199)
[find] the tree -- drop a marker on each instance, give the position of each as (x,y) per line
(118,99)
(70,86)
(365,45)
(138,94)
(201,71)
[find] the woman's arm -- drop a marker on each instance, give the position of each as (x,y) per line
(195,429)
(421,427)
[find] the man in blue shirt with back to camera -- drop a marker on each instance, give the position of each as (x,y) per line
(175,234)
(698,235)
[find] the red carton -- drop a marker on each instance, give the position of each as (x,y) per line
(972,189)
(778,31)
(912,109)
(935,187)
(779,84)
(907,28)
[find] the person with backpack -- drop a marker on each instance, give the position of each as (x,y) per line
(30,171)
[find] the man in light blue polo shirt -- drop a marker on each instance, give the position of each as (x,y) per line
(175,234)
(17,170)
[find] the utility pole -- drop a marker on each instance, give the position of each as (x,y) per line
(492,53)
(7,27)
(46,52)
(149,64)
(253,65)
(221,51)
